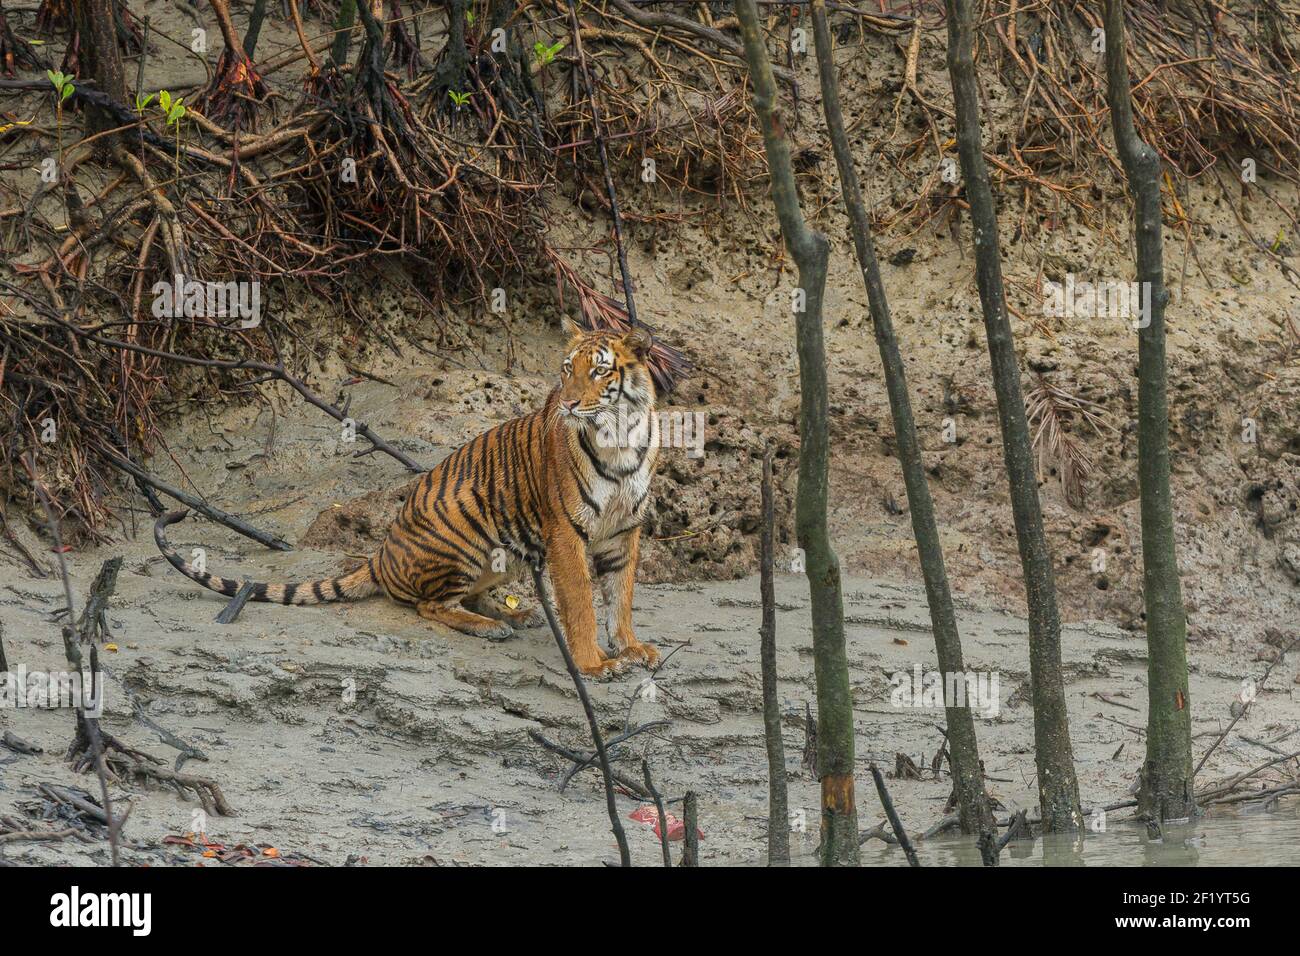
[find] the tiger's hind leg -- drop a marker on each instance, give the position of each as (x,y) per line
(522,616)
(449,614)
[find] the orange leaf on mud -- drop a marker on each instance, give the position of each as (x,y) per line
(676,829)
(649,816)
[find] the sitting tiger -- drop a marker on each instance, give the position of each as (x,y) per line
(549,488)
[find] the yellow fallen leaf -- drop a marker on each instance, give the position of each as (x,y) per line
(111,647)
(512,602)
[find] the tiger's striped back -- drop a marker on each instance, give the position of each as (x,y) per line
(481,508)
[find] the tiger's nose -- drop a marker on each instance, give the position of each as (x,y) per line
(569,404)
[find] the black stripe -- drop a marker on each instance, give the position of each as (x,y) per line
(445,465)
(440,583)
(591,456)
(316,592)
(425,489)
(631,527)
(590,502)
(490,457)
(576,527)
(521,513)
(425,529)
(486,512)
(421,533)
(289,591)
(394,585)
(602,568)
(440,510)
(462,469)
(473,522)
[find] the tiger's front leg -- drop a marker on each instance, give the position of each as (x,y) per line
(566,560)
(615,562)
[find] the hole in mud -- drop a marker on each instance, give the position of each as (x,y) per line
(1096,535)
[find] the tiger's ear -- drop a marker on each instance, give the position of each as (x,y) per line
(638,341)
(571,328)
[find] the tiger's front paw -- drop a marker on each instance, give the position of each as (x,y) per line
(637,652)
(600,667)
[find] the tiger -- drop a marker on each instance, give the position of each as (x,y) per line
(551,489)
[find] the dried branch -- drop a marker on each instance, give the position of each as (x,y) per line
(615,823)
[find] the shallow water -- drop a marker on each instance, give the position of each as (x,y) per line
(1245,838)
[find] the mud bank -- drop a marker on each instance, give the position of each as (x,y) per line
(360,732)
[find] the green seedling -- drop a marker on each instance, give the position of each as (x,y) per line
(173,111)
(460,99)
(62,83)
(546,54)
(63,88)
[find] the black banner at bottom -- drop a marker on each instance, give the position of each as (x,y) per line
(333,904)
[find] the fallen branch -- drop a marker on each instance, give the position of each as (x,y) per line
(87,728)
(37,836)
(185,498)
(636,789)
(232,610)
(656,21)
(614,822)
(899,832)
(1245,708)
(659,809)
(610,745)
(1246,775)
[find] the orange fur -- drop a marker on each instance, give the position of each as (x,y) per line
(555,487)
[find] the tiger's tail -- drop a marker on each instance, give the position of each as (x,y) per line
(348,587)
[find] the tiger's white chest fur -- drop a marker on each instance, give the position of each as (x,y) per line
(619,457)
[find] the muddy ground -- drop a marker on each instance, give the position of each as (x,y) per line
(430,749)
(434,749)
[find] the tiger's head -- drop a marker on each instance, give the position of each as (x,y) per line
(602,371)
